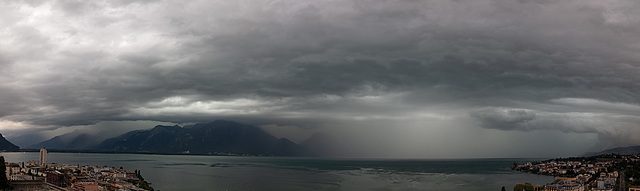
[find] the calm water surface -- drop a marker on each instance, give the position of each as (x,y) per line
(181,172)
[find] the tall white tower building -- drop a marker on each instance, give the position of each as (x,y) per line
(43,156)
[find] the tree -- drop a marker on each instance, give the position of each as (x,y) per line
(523,187)
(4,182)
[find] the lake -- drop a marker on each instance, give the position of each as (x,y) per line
(186,172)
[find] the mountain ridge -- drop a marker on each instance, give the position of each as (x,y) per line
(629,150)
(73,140)
(5,145)
(215,137)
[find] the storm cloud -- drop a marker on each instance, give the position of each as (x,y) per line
(561,66)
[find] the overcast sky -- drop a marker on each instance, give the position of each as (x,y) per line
(398,78)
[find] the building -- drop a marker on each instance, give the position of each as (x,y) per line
(55,178)
(43,157)
(87,186)
(35,185)
(606,183)
(565,184)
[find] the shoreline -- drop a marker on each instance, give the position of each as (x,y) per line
(145,153)
(271,156)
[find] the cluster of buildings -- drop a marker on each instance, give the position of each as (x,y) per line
(584,174)
(603,183)
(40,175)
(606,182)
(559,168)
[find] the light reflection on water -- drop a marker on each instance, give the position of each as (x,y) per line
(181,172)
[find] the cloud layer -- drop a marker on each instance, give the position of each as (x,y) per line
(571,66)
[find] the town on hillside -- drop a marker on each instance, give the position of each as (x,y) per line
(40,175)
(607,172)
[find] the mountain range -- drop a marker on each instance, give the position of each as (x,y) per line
(218,137)
(204,138)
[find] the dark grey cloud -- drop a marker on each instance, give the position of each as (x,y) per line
(506,65)
(612,122)
(506,119)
